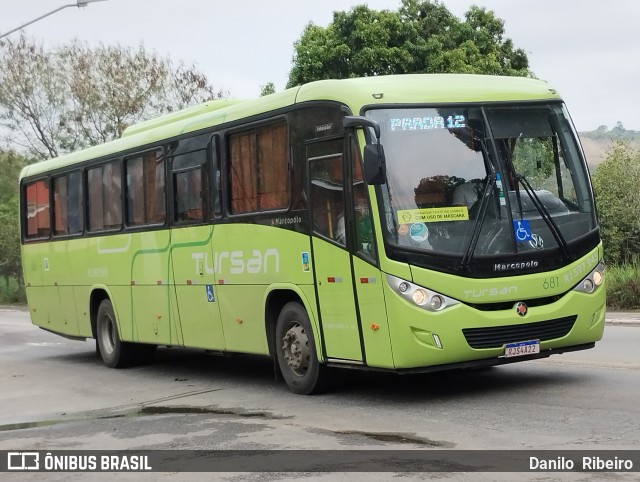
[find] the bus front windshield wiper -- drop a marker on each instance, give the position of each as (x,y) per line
(544,213)
(482,213)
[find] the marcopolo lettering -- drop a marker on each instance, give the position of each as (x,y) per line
(515,266)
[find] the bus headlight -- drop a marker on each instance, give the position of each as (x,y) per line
(436,302)
(597,277)
(421,297)
(593,280)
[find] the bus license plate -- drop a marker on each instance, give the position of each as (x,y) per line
(522,348)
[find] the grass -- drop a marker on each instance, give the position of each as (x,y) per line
(11,292)
(623,285)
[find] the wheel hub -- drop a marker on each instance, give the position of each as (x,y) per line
(296,349)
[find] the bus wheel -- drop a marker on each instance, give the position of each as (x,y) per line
(296,351)
(114,353)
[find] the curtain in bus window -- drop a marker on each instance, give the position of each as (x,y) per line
(273,176)
(145,189)
(135,192)
(37,200)
(94,183)
(327,197)
(60,203)
(243,173)
(188,186)
(154,187)
(112,195)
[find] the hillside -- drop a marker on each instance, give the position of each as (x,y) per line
(597,143)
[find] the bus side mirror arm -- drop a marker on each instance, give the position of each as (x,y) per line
(374,160)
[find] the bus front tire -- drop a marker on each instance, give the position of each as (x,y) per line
(114,352)
(296,351)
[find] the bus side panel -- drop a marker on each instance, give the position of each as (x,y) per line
(150,277)
(247,260)
(32,267)
(244,318)
(68,274)
(373,314)
(194,293)
(107,262)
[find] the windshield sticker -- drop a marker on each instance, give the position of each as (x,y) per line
(522,230)
(403,229)
(433,215)
(419,232)
(427,123)
(503,202)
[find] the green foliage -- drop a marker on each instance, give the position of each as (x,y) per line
(534,159)
(623,285)
(74,96)
(615,183)
(267,89)
(12,289)
(10,264)
(421,37)
(617,133)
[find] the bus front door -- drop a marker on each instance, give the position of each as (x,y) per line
(331,258)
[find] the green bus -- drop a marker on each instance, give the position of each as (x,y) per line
(405,223)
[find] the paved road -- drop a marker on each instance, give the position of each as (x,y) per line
(55,394)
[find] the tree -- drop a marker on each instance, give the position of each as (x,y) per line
(267,89)
(10,264)
(74,96)
(421,37)
(615,183)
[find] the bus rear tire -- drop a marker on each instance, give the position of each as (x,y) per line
(114,352)
(296,351)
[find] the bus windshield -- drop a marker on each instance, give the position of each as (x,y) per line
(523,159)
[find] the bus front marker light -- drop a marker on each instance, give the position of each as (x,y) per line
(588,285)
(436,302)
(597,278)
(419,297)
(375,327)
(403,287)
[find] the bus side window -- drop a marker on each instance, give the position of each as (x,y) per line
(259,169)
(190,181)
(327,197)
(38,223)
(363,221)
(216,178)
(145,189)
(75,202)
(60,204)
(105,196)
(188,195)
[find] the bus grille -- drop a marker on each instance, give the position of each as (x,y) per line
(496,336)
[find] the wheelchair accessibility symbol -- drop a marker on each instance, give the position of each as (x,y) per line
(522,230)
(210,297)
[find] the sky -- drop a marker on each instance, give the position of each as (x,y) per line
(588,50)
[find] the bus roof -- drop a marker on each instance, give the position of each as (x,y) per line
(354,93)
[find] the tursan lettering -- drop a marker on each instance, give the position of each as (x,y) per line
(237,262)
(486,292)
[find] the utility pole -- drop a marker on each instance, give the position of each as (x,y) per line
(79,4)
